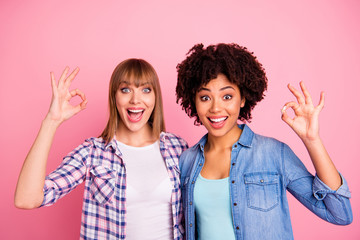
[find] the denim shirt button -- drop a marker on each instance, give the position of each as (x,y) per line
(233,164)
(237,228)
(192,182)
(262,180)
(235,146)
(190,203)
(190,224)
(200,164)
(232,181)
(235,204)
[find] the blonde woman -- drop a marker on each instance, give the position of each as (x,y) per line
(130,172)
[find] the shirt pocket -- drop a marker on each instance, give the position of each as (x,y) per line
(102,186)
(262,190)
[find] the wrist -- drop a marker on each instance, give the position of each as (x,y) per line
(313,141)
(51,122)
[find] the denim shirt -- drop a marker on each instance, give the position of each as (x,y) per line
(261,171)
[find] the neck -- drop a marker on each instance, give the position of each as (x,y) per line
(140,138)
(223,142)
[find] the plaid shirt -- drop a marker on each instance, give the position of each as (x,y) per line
(101,167)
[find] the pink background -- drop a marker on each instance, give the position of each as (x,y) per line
(314,41)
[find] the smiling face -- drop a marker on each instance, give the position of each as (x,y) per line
(218,106)
(135,106)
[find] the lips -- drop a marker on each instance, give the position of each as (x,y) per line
(217,122)
(135,114)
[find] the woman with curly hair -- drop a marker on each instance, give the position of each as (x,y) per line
(233,180)
(131,172)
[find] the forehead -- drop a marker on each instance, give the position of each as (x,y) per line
(221,82)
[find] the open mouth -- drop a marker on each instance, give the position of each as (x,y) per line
(135,115)
(217,122)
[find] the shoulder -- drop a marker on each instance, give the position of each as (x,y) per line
(272,147)
(91,143)
(251,139)
(96,142)
(266,142)
(192,151)
(83,150)
(188,157)
(173,140)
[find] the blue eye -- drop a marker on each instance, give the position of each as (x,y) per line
(125,90)
(205,98)
(147,90)
(227,97)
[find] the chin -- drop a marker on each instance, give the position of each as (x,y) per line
(217,132)
(220,132)
(134,127)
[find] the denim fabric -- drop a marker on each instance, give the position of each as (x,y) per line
(262,169)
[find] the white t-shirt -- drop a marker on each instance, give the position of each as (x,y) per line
(148,193)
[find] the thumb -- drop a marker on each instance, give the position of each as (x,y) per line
(285,117)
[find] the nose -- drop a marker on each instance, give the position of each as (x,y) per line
(135,97)
(215,106)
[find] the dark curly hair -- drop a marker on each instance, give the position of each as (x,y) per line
(202,65)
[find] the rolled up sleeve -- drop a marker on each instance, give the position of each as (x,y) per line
(320,189)
(330,205)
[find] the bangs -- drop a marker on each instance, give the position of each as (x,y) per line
(138,78)
(138,73)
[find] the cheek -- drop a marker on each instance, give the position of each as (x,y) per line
(234,108)
(120,101)
(150,100)
(117,100)
(199,107)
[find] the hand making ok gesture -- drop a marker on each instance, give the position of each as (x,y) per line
(60,108)
(306,120)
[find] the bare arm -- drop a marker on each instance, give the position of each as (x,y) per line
(306,125)
(29,190)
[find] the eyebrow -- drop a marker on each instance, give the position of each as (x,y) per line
(132,83)
(221,89)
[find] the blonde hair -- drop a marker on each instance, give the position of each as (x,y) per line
(137,72)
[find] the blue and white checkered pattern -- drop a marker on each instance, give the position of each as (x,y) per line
(104,204)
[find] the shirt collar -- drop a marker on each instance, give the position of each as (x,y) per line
(247,136)
(245,139)
(112,144)
(162,141)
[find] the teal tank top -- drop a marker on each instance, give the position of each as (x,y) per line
(213,209)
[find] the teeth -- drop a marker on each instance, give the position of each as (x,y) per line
(135,111)
(217,119)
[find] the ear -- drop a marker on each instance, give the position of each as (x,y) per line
(242,102)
